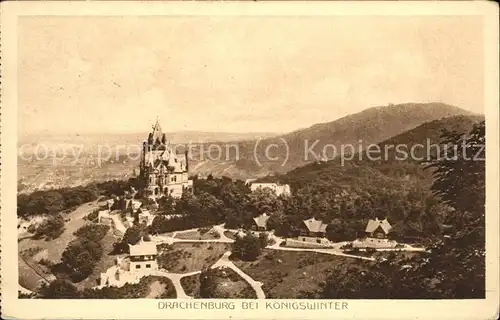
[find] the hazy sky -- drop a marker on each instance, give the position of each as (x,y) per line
(117,74)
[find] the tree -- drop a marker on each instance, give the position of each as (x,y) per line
(455,266)
(459,170)
(92,216)
(247,248)
(59,289)
(93,232)
(263,239)
(132,235)
(80,257)
(355,283)
(460,181)
(166,205)
(208,285)
(50,228)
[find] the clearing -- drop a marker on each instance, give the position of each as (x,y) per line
(189,257)
(228,285)
(199,234)
(156,289)
(31,271)
(291,274)
(56,247)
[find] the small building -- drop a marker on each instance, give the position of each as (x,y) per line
(278,189)
(378,228)
(143,256)
(260,222)
(313,230)
(104,217)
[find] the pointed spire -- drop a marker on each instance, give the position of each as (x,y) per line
(157,134)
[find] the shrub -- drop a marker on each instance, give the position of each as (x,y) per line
(247,248)
(371,250)
(215,234)
(32,228)
(208,284)
(51,228)
(263,239)
(94,232)
(59,289)
(46,262)
(133,235)
(203,230)
(347,246)
(80,256)
(93,216)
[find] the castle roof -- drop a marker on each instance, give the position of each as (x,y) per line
(157,134)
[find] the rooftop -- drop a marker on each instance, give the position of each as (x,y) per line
(261,220)
(143,248)
(374,224)
(314,225)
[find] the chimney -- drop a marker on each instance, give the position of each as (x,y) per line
(187,160)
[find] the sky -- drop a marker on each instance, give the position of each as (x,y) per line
(238,74)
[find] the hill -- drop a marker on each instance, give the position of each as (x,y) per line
(283,153)
(391,163)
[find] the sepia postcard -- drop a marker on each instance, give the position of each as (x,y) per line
(249,160)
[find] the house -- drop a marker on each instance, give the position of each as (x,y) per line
(278,189)
(260,222)
(378,228)
(143,256)
(313,230)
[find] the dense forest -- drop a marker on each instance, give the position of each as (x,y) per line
(66,199)
(455,266)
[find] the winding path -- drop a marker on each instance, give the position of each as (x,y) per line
(176,280)
(118,224)
(225,262)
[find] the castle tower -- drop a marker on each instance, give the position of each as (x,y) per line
(163,172)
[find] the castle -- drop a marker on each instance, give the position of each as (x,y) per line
(164,171)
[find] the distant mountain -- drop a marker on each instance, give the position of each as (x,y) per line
(390,164)
(323,141)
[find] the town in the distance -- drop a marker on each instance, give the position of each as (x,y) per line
(365,230)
